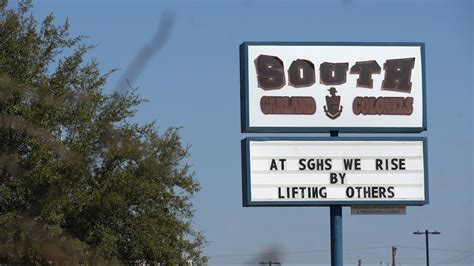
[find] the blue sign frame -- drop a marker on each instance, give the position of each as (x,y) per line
(246,191)
(244,85)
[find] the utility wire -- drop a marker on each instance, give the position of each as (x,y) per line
(457,258)
(290,252)
(326,250)
(440,249)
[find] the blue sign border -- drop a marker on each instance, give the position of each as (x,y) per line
(244,85)
(246,191)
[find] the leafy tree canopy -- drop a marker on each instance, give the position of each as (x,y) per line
(80,182)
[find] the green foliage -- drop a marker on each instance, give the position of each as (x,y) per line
(79,182)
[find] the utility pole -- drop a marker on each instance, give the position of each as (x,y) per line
(394,252)
(270,263)
(426,233)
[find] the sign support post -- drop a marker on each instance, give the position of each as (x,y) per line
(336,235)
(335,213)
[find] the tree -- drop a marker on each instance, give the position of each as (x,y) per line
(80,182)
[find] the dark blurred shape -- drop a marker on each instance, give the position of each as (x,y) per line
(146,53)
(272,252)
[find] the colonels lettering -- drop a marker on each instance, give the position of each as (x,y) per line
(338,178)
(270,73)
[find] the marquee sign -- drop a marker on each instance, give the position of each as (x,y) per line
(321,87)
(325,171)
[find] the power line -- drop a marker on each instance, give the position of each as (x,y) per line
(290,252)
(270,263)
(326,250)
(373,260)
(457,258)
(267,254)
(439,249)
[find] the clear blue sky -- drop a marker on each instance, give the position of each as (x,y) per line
(193,82)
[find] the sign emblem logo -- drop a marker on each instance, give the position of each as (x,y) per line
(333,107)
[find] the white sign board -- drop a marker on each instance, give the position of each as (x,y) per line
(325,171)
(322,87)
(378,210)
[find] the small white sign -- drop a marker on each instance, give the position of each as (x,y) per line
(317,87)
(324,171)
(378,210)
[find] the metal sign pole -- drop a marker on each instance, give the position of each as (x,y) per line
(336,235)
(427,248)
(336,229)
